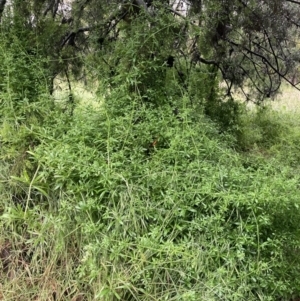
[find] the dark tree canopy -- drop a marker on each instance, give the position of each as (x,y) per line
(250,45)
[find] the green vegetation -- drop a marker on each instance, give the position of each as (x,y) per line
(160,186)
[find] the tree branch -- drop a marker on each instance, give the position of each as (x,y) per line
(293,1)
(176,12)
(73,34)
(265,60)
(207,62)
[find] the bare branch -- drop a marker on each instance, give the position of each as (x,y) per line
(266,61)
(207,62)
(73,35)
(293,1)
(176,12)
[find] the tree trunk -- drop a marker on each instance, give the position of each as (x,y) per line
(2,5)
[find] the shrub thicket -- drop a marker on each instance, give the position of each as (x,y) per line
(144,197)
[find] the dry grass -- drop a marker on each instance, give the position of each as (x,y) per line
(84,94)
(288,101)
(25,275)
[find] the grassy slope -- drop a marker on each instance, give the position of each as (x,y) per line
(116,218)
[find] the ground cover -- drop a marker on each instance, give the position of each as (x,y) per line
(148,206)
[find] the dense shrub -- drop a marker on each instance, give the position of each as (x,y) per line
(144,196)
(169,210)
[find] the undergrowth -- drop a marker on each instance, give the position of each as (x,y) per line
(159,208)
(148,196)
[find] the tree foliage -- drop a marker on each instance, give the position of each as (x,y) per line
(251,45)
